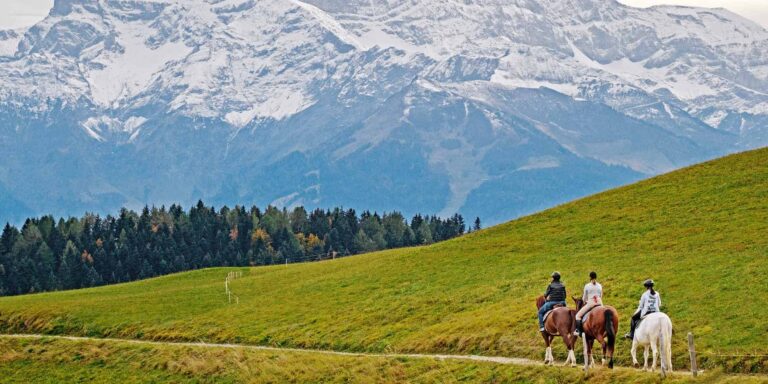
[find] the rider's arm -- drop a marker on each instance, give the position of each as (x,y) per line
(585,296)
(658,301)
(546,294)
(642,303)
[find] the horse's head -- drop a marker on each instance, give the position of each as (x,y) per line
(579,302)
(540,301)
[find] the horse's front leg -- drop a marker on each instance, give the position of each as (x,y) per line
(548,357)
(548,343)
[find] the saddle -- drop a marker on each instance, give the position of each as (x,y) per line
(637,325)
(556,306)
(586,315)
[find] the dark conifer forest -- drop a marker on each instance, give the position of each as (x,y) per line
(47,254)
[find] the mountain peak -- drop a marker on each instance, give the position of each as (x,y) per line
(472,97)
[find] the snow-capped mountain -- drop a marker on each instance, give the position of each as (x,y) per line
(487,107)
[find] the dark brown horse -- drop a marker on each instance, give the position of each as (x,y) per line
(601,325)
(561,322)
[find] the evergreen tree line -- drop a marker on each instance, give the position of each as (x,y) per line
(48,255)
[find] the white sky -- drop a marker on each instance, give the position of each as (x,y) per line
(22,13)
(756,10)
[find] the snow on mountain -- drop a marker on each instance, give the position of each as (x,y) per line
(487,107)
(9,41)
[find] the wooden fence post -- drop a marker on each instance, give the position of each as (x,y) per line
(692,350)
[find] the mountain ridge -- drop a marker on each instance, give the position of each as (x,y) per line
(166,101)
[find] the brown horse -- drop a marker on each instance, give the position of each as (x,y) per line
(601,325)
(561,322)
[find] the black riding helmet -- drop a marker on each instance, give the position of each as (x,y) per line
(556,276)
(593,275)
(648,283)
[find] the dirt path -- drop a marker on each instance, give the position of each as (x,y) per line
(490,359)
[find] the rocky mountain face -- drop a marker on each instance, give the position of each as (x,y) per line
(491,108)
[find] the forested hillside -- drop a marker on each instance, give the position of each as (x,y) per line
(47,254)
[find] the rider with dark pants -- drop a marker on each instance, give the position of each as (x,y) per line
(649,303)
(555,295)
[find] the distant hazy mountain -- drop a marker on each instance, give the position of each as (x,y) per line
(493,108)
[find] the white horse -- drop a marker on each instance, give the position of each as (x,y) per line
(655,331)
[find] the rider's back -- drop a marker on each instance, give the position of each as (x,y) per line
(650,302)
(556,292)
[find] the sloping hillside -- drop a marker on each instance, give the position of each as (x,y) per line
(699,232)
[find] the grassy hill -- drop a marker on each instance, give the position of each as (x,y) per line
(701,233)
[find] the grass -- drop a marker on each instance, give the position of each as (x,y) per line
(55,361)
(701,233)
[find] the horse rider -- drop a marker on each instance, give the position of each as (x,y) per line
(650,302)
(592,297)
(555,295)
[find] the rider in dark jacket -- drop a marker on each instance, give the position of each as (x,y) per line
(554,295)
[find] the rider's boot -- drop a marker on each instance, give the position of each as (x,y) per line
(631,334)
(579,328)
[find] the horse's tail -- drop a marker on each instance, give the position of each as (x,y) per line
(610,332)
(665,343)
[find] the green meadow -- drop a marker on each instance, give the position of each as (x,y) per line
(700,232)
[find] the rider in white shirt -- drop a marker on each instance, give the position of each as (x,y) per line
(592,297)
(650,302)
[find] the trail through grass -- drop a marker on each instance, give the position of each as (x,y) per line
(49,360)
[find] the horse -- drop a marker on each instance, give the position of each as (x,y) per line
(601,325)
(654,331)
(562,322)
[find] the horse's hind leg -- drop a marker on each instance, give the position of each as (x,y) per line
(655,350)
(604,352)
(570,342)
(634,354)
(645,357)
